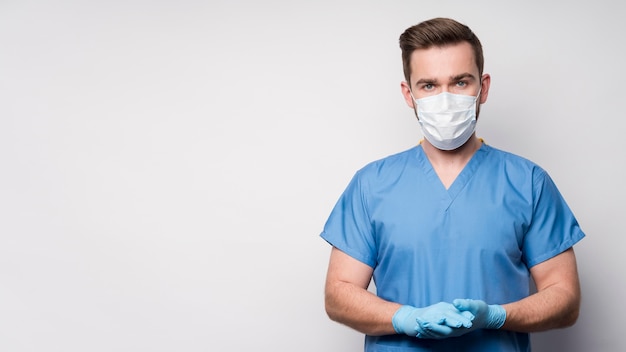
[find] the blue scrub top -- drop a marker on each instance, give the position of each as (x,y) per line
(477,239)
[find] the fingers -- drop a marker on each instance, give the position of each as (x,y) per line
(445,323)
(428,330)
(447,314)
(467,305)
(468,315)
(443,320)
(461,304)
(457,320)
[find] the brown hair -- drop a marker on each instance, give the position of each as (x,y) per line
(437,32)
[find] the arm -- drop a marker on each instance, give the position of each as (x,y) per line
(557,301)
(349,302)
(555,305)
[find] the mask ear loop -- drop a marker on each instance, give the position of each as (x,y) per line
(414,104)
(478,96)
(415,111)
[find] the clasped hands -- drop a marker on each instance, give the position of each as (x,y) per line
(443,320)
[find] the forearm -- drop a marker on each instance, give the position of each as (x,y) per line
(557,301)
(359,309)
(551,308)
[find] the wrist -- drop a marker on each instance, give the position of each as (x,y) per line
(497,316)
(400,318)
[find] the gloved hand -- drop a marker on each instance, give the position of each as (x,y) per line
(483,316)
(408,320)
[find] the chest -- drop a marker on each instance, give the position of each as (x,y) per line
(421,214)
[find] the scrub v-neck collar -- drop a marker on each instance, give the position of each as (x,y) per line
(462,178)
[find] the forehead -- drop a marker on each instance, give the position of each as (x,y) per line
(442,62)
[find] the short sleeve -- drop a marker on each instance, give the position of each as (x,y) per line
(553,227)
(348,227)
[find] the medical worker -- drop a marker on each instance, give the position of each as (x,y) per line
(453,229)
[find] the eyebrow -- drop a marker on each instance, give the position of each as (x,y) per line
(454,78)
(462,76)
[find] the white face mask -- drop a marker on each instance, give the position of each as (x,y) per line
(448,120)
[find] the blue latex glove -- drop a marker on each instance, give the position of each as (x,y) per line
(485,316)
(482,315)
(407,319)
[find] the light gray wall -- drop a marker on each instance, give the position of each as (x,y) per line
(166,166)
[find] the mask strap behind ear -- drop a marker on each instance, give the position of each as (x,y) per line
(414,104)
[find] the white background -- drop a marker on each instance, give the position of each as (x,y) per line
(166,167)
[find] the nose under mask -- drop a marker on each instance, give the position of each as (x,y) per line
(447,120)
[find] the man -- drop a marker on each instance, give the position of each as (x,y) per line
(451,230)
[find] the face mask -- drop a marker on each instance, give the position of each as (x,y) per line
(448,120)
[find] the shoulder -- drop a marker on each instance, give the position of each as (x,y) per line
(512,163)
(389,166)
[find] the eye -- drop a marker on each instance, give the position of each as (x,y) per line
(428,86)
(461,84)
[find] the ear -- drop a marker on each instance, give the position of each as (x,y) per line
(484,92)
(406,93)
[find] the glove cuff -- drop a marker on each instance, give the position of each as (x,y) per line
(497,316)
(399,318)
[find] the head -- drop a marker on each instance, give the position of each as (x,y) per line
(444,56)
(437,32)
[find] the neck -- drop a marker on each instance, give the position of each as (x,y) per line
(459,156)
